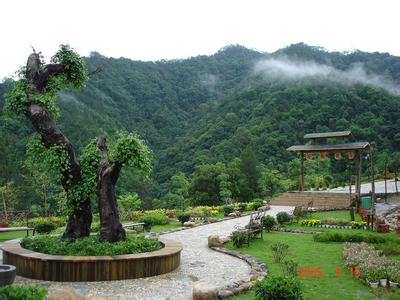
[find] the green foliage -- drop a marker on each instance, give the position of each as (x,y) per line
(349,237)
(75,71)
(279,251)
(290,267)
(278,288)
(27,292)
(151,219)
(268,222)
(130,150)
(16,100)
(239,238)
(257,203)
(228,209)
(283,217)
(89,246)
(129,201)
(183,217)
(44,226)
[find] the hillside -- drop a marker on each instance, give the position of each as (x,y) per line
(207,109)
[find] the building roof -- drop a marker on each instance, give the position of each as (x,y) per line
(322,135)
(330,147)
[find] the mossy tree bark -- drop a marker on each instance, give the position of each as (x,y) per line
(111,229)
(37,76)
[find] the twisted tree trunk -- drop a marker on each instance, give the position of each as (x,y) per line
(81,217)
(107,176)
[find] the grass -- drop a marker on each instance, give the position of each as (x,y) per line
(310,254)
(5,236)
(172,225)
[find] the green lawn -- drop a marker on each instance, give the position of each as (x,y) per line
(5,236)
(172,225)
(310,254)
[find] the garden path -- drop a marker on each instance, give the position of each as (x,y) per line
(198,263)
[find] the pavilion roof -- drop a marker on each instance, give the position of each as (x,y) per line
(330,147)
(335,134)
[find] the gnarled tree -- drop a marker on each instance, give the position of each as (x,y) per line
(34,95)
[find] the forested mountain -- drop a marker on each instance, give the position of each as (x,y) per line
(213,117)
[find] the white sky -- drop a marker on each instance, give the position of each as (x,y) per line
(167,29)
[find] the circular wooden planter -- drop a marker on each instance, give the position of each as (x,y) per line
(92,268)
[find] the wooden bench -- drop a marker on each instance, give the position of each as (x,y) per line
(134,225)
(255,226)
(23,228)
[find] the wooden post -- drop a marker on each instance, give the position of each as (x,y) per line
(358,175)
(372,187)
(385,164)
(301,185)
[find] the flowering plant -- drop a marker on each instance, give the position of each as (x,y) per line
(310,222)
(358,224)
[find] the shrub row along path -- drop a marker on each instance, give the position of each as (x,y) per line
(198,263)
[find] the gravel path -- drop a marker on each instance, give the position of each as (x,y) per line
(198,263)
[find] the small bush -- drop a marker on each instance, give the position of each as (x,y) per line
(290,268)
(183,217)
(349,237)
(283,217)
(278,288)
(268,222)
(44,226)
(257,203)
(389,248)
(88,246)
(241,206)
(170,213)
(17,292)
(228,209)
(95,227)
(154,219)
(239,238)
(279,251)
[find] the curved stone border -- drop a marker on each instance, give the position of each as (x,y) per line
(258,272)
(92,268)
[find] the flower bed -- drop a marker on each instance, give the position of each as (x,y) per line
(334,223)
(372,265)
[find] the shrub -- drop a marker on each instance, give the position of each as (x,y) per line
(228,209)
(257,203)
(170,213)
(154,219)
(241,206)
(283,217)
(290,268)
(44,226)
(89,246)
(310,222)
(183,217)
(239,238)
(135,215)
(349,237)
(389,248)
(278,288)
(95,227)
(279,251)
(29,292)
(268,222)
(249,206)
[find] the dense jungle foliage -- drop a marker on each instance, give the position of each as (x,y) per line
(218,129)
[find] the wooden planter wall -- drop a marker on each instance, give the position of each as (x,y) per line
(92,268)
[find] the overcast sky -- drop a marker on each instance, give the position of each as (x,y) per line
(167,29)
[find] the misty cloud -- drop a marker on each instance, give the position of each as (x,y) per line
(287,69)
(209,81)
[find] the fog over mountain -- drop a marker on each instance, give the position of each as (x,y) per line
(285,68)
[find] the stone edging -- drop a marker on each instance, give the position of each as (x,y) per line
(258,272)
